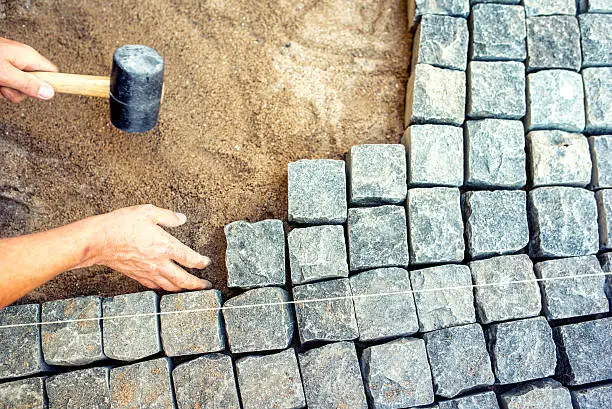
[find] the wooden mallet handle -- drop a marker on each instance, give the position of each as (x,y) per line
(88,85)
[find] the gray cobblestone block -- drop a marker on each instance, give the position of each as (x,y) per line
(332,378)
(572,297)
(377,237)
(595,6)
(130,339)
(436,226)
(505,301)
(317,191)
(594,397)
(484,400)
(498,32)
(441,41)
(555,100)
(584,350)
(553,42)
(495,151)
(197,332)
(270,381)
(23,394)
(496,89)
(317,253)
(459,360)
(435,95)
(443,308)
(545,393)
(377,174)
(419,8)
(563,221)
(604,207)
(397,374)
(262,328)
(559,158)
(72,343)
(601,152)
(496,222)
(206,382)
(384,316)
(20,349)
(435,155)
(87,388)
(332,320)
(606,265)
(598,98)
(144,384)
(549,7)
(596,39)
(255,255)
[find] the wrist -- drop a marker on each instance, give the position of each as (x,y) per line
(91,236)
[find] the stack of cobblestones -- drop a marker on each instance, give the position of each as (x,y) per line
(436,273)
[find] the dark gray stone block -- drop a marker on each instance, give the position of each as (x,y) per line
(498,32)
(397,374)
(594,397)
(419,8)
(549,7)
(317,191)
(496,89)
(441,41)
(255,255)
(553,42)
(484,400)
(596,39)
(87,388)
(601,152)
(545,393)
(144,384)
(606,265)
(23,394)
(598,99)
(332,378)
(604,208)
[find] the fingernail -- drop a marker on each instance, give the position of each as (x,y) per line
(181,217)
(206,261)
(46,91)
(206,284)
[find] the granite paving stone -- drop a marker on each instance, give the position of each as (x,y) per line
(595,6)
(255,255)
(86,388)
(495,150)
(332,320)
(601,153)
(317,191)
(572,297)
(23,394)
(594,397)
(435,225)
(553,42)
(261,328)
(504,302)
(605,260)
(584,350)
(441,41)
(419,8)
(446,307)
(144,384)
(397,374)
(541,394)
(385,316)
(484,400)
(72,343)
(270,381)
(332,378)
(496,222)
(598,99)
(459,360)
(563,221)
(498,32)
(377,174)
(549,7)
(435,155)
(555,100)
(559,158)
(596,39)
(207,382)
(496,89)
(377,237)
(604,207)
(130,339)
(195,332)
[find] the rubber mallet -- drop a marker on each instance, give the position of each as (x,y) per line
(134,89)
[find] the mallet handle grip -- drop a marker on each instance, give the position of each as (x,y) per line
(77,84)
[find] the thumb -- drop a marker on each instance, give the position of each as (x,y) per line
(26,83)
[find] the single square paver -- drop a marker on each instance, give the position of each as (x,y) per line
(23,394)
(559,158)
(261,328)
(196,332)
(549,7)
(442,41)
(435,155)
(419,8)
(435,96)
(255,255)
(437,305)
(496,89)
(459,360)
(604,208)
(595,6)
(496,222)
(484,400)
(498,32)
(596,39)
(572,297)
(385,316)
(495,153)
(72,343)
(601,153)
(553,42)
(397,374)
(144,384)
(317,191)
(545,393)
(332,378)
(332,320)
(270,381)
(435,224)
(555,100)
(498,301)
(206,382)
(87,388)
(594,397)
(598,99)
(563,222)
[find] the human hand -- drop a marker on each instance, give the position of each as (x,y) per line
(15,82)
